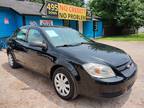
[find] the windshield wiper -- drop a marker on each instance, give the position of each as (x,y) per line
(69,45)
(82,43)
(65,45)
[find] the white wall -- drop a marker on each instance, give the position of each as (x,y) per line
(141,30)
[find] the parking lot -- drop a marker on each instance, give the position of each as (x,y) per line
(21,88)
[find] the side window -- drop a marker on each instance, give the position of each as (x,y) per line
(21,35)
(35,36)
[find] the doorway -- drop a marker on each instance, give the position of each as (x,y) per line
(77,25)
(71,23)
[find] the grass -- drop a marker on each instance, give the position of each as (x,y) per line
(133,37)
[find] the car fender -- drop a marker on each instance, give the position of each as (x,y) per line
(68,65)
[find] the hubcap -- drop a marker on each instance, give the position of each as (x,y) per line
(62,84)
(10,59)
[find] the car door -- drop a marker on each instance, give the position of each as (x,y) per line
(19,45)
(38,59)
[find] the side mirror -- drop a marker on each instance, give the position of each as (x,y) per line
(38,44)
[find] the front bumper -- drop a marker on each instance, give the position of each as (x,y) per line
(111,90)
(110,87)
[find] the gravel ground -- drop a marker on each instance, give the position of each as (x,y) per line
(21,88)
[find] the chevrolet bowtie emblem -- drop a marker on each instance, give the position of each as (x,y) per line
(128,66)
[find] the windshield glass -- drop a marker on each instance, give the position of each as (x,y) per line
(64,36)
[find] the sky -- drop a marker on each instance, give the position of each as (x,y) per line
(86,1)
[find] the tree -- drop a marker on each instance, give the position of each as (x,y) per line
(71,2)
(120,13)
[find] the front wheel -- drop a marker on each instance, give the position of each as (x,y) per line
(12,62)
(64,84)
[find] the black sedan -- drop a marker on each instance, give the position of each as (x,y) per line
(75,64)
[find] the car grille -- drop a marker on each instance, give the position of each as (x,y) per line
(124,66)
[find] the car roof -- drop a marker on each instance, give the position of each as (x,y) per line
(30,26)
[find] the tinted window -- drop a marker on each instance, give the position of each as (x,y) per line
(64,36)
(22,34)
(35,36)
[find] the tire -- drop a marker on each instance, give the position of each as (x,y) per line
(12,62)
(64,84)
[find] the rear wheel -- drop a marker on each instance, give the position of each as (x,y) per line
(12,62)
(64,84)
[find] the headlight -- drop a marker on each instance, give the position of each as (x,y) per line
(99,70)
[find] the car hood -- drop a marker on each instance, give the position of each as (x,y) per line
(96,52)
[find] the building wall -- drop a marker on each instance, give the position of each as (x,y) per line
(13,21)
(36,19)
(88,29)
(16,21)
(99,33)
(19,21)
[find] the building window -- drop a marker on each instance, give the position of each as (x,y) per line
(66,23)
(95,25)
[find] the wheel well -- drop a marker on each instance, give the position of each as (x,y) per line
(8,50)
(53,70)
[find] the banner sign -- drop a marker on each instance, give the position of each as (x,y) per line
(46,22)
(71,12)
(52,9)
(64,11)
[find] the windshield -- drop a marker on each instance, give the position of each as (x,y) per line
(64,36)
